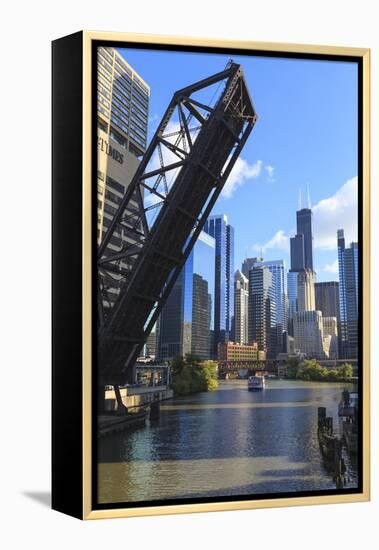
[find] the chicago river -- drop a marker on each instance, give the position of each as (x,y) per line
(223,443)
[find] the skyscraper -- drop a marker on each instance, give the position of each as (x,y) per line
(151,343)
(301,276)
(278,270)
(292,298)
(305,290)
(309,335)
(229,279)
(297,252)
(349,300)
(304,227)
(328,302)
(327,298)
(186,320)
(122,119)
(262,312)
(248,263)
(241,305)
(223,233)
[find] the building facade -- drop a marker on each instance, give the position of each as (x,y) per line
(223,234)
(241,308)
(186,320)
(330,333)
(232,351)
(308,334)
(304,227)
(248,263)
(151,343)
(279,274)
(327,298)
(306,290)
(262,312)
(122,121)
(292,298)
(123,102)
(297,252)
(349,296)
(328,302)
(301,277)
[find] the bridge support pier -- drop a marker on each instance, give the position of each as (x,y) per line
(121,409)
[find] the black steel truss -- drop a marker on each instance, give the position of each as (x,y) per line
(163,211)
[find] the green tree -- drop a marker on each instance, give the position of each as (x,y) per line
(311,370)
(292,366)
(190,375)
(346,370)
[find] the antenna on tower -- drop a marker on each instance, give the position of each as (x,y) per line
(299,198)
(309,197)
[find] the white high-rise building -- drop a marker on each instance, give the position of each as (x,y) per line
(262,314)
(278,270)
(241,306)
(309,334)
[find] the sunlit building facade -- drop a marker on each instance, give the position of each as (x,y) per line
(122,122)
(262,313)
(309,334)
(241,308)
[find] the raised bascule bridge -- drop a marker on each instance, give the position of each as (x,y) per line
(170,197)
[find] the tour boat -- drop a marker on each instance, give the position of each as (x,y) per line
(256,383)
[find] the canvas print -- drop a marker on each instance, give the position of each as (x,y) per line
(228,280)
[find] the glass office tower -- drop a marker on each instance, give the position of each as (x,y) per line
(223,233)
(186,320)
(278,270)
(349,299)
(262,313)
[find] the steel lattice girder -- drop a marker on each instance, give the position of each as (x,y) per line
(147,265)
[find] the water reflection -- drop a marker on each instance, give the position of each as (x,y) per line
(222,443)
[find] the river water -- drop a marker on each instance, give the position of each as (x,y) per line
(222,443)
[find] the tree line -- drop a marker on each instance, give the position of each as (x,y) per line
(310,369)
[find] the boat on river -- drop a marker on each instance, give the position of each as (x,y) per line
(256,383)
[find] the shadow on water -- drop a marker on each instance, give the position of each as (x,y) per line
(295,391)
(217,433)
(301,472)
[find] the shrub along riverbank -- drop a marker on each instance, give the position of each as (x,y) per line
(190,375)
(311,370)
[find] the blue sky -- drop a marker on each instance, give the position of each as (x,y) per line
(305,137)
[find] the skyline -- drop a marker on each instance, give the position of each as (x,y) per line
(285,93)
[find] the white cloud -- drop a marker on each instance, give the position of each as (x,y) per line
(279,241)
(336,212)
(331,268)
(241,172)
(270,172)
